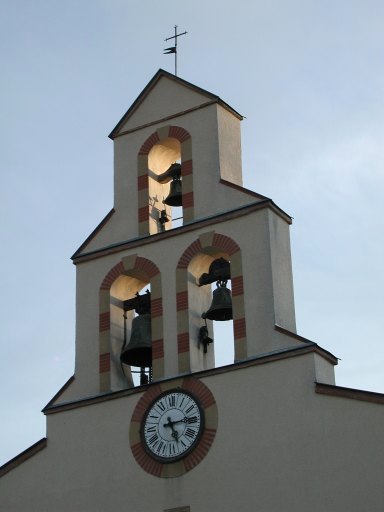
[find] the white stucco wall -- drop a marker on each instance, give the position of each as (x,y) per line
(279,446)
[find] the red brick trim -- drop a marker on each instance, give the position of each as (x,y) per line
(237,286)
(156,307)
(104,321)
(189,253)
(112,275)
(179,467)
(179,133)
(183,342)
(239,329)
(186,167)
(225,243)
(146,266)
(188,200)
(149,465)
(196,387)
(152,392)
(143,213)
(149,143)
(157,349)
(201,450)
(142,182)
(182,301)
(104,362)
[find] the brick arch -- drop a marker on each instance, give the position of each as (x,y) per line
(184,137)
(220,242)
(146,270)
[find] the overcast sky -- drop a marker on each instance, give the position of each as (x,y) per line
(308,76)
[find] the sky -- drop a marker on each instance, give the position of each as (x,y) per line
(308,77)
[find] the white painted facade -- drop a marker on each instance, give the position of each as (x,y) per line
(283,435)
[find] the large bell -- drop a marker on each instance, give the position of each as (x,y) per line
(175,194)
(221,307)
(138,352)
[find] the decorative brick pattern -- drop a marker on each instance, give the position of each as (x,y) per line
(239,329)
(156,307)
(143,213)
(112,275)
(149,143)
(202,449)
(179,467)
(189,253)
(237,286)
(225,243)
(104,362)
(196,387)
(144,402)
(178,133)
(188,201)
(157,349)
(149,465)
(183,342)
(182,301)
(104,321)
(142,182)
(186,168)
(146,266)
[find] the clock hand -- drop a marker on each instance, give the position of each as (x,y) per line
(170,424)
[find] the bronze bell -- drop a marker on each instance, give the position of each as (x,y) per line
(138,352)
(221,307)
(175,193)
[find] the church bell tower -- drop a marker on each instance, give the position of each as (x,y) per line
(181,226)
(150,421)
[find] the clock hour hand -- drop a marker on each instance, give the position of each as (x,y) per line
(170,424)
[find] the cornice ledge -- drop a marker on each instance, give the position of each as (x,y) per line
(190,226)
(351,393)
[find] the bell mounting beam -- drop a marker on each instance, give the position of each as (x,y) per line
(173,49)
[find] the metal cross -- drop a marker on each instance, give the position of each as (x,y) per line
(173,49)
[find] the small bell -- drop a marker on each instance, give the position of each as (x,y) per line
(221,307)
(175,197)
(138,352)
(139,349)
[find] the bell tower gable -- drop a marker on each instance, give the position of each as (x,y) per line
(166,96)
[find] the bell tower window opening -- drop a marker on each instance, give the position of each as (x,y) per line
(210,310)
(165,185)
(220,313)
(130,336)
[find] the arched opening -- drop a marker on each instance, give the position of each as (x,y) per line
(194,297)
(124,309)
(210,310)
(165,185)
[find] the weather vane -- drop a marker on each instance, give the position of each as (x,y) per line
(173,49)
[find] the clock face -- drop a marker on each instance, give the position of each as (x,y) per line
(172,426)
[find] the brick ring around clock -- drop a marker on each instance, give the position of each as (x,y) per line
(173,427)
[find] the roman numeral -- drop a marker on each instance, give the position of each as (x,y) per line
(190,433)
(152,439)
(171,400)
(192,419)
(190,408)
